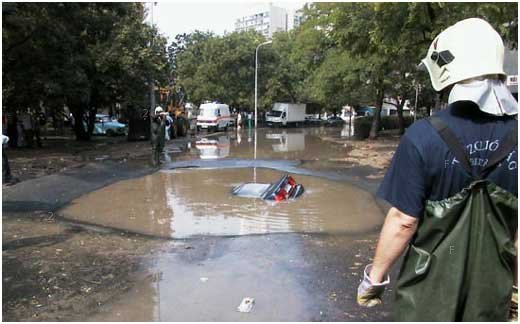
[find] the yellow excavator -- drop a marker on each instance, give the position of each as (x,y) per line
(175,105)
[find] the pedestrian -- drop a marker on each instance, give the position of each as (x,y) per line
(158,135)
(22,142)
(6,171)
(168,122)
(28,127)
(452,185)
(4,124)
(12,128)
(38,120)
(239,120)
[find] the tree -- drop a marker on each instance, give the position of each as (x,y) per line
(84,55)
(219,68)
(387,40)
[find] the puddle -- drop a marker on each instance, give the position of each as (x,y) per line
(172,290)
(184,203)
(271,143)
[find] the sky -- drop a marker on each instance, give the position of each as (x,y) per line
(177,17)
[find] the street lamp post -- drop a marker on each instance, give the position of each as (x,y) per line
(417,89)
(151,79)
(256,81)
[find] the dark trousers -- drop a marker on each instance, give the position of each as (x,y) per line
(156,155)
(37,134)
(6,171)
(29,137)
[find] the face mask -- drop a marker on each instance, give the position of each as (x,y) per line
(492,96)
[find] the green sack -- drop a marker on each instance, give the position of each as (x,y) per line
(461,263)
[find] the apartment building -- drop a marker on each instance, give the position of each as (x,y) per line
(268,22)
(298,18)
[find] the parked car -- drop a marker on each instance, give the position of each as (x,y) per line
(310,120)
(334,121)
(106,126)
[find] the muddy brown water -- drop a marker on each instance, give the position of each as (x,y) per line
(184,203)
(276,143)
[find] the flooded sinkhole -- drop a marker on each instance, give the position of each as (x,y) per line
(188,202)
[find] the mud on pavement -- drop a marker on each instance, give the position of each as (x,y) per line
(68,273)
(55,272)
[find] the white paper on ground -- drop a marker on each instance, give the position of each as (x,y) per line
(246,305)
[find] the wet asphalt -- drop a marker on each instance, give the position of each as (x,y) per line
(291,276)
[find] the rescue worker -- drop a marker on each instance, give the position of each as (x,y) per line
(452,185)
(158,135)
(169,123)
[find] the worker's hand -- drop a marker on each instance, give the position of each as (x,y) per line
(369,294)
(513,309)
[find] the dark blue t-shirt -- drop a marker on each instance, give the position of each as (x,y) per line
(423,168)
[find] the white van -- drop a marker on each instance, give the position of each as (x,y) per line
(213,148)
(213,116)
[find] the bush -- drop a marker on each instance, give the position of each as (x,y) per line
(362,125)
(392,122)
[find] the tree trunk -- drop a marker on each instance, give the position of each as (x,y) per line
(400,119)
(82,129)
(437,103)
(374,130)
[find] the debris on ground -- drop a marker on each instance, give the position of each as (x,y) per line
(246,305)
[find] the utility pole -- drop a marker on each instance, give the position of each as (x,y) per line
(417,88)
(151,79)
(256,82)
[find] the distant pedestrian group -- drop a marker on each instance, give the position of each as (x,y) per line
(24,128)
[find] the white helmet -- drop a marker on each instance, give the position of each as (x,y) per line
(468,49)
(158,110)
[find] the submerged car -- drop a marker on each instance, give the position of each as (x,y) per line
(283,189)
(106,126)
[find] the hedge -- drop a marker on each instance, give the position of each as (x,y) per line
(362,125)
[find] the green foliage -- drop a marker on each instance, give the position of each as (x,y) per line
(218,68)
(362,125)
(94,55)
(386,41)
(87,56)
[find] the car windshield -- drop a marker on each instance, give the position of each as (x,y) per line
(275,113)
(208,112)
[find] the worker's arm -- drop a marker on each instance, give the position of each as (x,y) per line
(515,279)
(397,231)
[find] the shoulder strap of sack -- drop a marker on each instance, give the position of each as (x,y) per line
(453,143)
(503,151)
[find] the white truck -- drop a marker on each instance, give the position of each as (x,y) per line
(284,114)
(287,142)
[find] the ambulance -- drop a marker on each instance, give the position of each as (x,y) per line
(213,117)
